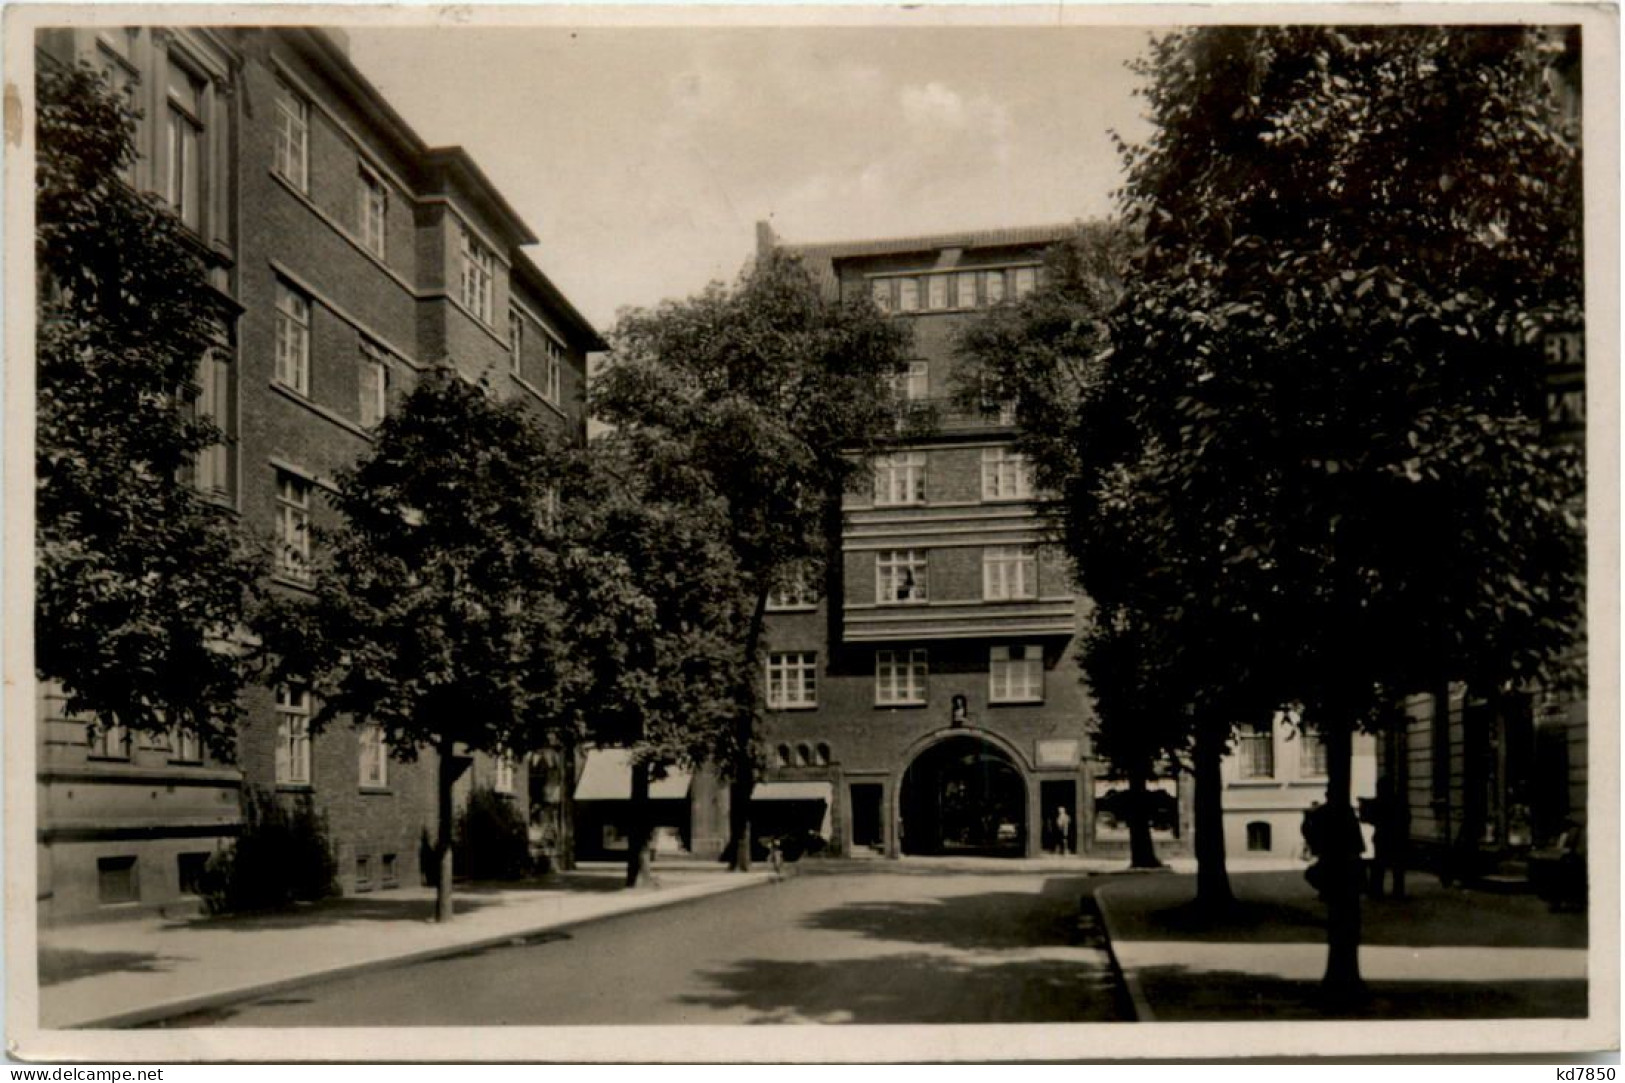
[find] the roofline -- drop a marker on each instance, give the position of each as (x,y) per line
(999,237)
(533,276)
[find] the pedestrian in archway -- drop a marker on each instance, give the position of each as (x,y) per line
(1063,831)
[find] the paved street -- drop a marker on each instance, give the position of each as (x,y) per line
(899,944)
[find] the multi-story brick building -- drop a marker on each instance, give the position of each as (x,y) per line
(926,699)
(356,257)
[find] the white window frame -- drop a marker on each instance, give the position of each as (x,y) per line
(293,525)
(292,339)
(1015,673)
(797,592)
(184,143)
(792,680)
(993,287)
(374,400)
(184,745)
(1025,280)
(552,369)
(908,294)
(292,736)
(478,280)
(1311,753)
(896,569)
(1255,752)
(880,292)
(292,136)
(1006,475)
(1009,572)
(374,211)
(900,677)
(899,479)
(913,384)
(965,289)
(936,292)
(374,756)
(516,342)
(108,742)
(503,778)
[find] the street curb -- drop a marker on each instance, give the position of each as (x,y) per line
(1131,981)
(185,1005)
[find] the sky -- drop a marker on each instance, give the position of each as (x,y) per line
(643,157)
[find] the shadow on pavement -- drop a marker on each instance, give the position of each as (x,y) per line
(992,921)
(58,965)
(1184,995)
(913,988)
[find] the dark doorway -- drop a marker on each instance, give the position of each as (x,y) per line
(964,796)
(1054,795)
(866,820)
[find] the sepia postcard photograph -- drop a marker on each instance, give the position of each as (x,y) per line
(851,533)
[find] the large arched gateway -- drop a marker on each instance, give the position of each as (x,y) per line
(963,795)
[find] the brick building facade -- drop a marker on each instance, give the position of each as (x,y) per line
(357,257)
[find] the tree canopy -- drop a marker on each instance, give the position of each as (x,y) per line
(142,583)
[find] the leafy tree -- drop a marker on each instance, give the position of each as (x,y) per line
(664,678)
(769,397)
(438,608)
(141,583)
(1326,358)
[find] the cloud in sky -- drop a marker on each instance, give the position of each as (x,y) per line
(643,157)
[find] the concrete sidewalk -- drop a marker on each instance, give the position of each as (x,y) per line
(125,973)
(1441,953)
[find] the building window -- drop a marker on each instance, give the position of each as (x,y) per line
(900,676)
(880,290)
(189,871)
(374,387)
(552,370)
(908,294)
(292,736)
(213,472)
(1026,281)
(292,526)
(936,292)
(363,872)
(1016,674)
(900,576)
(792,680)
(117,880)
(374,757)
(782,756)
(1311,753)
(1005,475)
(122,76)
(993,287)
(374,211)
(911,383)
(1258,837)
(1257,748)
(184,745)
(516,343)
(108,742)
(478,277)
(391,875)
(804,756)
(292,137)
(183,150)
(1009,572)
(292,339)
(900,479)
(965,289)
(503,781)
(823,754)
(797,591)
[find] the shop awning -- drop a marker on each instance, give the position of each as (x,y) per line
(608,777)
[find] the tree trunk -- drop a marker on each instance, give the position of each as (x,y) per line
(443,903)
(744,780)
(1212,881)
(1142,853)
(1341,847)
(638,870)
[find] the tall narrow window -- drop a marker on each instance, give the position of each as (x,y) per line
(1026,281)
(183,151)
(184,746)
(792,680)
(374,386)
(214,402)
(880,290)
(1005,475)
(908,294)
(504,780)
(374,211)
(1257,748)
(1009,572)
(1016,674)
(1311,753)
(478,276)
(552,370)
(292,339)
(993,287)
(900,676)
(374,757)
(936,292)
(900,479)
(293,526)
(292,137)
(965,289)
(108,742)
(900,576)
(292,736)
(516,343)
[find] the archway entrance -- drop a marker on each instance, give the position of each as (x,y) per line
(964,796)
